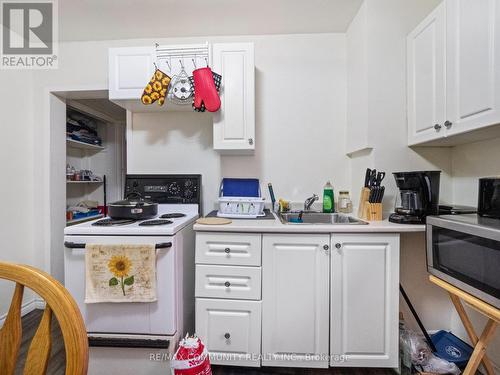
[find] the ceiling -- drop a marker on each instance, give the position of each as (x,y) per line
(130,19)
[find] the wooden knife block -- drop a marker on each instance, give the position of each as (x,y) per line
(369,211)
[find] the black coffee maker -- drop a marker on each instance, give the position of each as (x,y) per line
(418,196)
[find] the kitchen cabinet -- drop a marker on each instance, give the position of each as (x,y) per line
(228,296)
(230,330)
(473,64)
(426,46)
(454,74)
(364,300)
(234,124)
(295,299)
(130,68)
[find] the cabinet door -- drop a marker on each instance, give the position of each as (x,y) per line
(426,68)
(473,64)
(364,300)
(234,124)
(230,330)
(130,69)
(295,324)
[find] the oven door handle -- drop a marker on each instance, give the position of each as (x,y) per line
(73,245)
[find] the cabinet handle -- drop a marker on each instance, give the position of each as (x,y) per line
(437,127)
(250,141)
(338,245)
(326,247)
(227,284)
(227,336)
(227,250)
(448,124)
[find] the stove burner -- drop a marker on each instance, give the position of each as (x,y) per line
(172,215)
(155,222)
(108,222)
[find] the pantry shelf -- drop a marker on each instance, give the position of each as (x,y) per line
(83,219)
(83,145)
(84,182)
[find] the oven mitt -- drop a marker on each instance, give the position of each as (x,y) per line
(156,89)
(217,80)
(205,92)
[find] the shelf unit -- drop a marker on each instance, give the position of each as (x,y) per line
(84,219)
(83,145)
(84,182)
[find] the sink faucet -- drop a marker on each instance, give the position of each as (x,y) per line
(309,202)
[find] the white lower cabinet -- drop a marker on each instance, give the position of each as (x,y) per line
(310,300)
(295,300)
(364,300)
(231,330)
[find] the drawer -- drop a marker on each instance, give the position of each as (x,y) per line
(232,282)
(231,330)
(242,249)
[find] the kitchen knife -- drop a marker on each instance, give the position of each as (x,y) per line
(380,178)
(367,176)
(373,177)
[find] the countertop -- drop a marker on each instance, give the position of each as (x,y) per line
(276,226)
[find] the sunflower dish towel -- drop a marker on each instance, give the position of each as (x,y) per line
(120,273)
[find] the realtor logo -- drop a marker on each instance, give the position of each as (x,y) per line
(29,32)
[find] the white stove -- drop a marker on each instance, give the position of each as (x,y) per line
(158,324)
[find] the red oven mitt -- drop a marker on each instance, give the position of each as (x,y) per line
(205,91)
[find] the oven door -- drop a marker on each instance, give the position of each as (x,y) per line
(153,318)
(465,256)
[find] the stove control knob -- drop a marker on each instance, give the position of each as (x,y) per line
(188,194)
(174,188)
(227,284)
(188,183)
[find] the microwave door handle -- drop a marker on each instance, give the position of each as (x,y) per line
(73,245)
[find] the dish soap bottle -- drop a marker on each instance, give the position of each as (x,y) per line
(328,201)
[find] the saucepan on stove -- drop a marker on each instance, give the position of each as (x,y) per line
(133,207)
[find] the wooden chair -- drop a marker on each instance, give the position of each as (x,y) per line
(58,301)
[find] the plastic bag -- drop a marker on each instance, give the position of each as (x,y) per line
(421,355)
(191,358)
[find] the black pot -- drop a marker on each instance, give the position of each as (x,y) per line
(135,208)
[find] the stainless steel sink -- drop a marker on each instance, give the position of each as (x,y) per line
(314,217)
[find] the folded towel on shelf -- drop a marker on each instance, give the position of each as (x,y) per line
(120,273)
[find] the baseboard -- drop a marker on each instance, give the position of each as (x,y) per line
(26,308)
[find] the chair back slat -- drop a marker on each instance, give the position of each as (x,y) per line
(11,333)
(64,309)
(41,344)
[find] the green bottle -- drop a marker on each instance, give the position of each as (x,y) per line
(328,200)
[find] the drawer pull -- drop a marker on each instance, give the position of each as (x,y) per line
(227,336)
(227,250)
(227,284)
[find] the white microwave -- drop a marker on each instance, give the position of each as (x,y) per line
(464,250)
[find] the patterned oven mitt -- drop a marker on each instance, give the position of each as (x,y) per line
(156,89)
(217,81)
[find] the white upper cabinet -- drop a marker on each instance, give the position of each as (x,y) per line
(130,69)
(473,64)
(364,300)
(454,74)
(426,78)
(295,301)
(234,124)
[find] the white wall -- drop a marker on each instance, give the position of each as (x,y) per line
(300,124)
(16,155)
